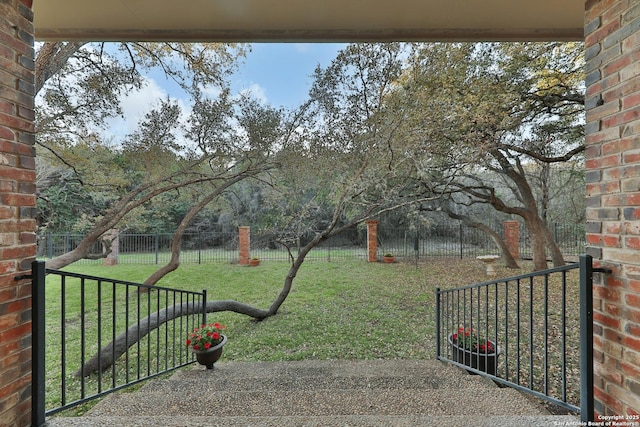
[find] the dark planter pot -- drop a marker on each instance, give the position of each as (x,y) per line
(484,362)
(210,356)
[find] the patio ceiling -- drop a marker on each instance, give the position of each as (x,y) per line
(306,20)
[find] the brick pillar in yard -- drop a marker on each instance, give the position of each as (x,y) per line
(512,237)
(244,244)
(372,241)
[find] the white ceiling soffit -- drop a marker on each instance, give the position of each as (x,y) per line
(306,20)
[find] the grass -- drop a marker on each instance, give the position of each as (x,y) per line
(338,310)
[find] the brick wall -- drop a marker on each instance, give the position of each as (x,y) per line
(17,208)
(612,35)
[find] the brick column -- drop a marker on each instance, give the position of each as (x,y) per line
(612,163)
(372,241)
(244,245)
(512,237)
(17,208)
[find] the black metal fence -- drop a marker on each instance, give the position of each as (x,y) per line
(538,327)
(74,359)
(453,240)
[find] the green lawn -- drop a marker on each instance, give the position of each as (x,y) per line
(338,310)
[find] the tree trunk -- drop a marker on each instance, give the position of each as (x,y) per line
(112,351)
(176,242)
(536,233)
(554,249)
(508,259)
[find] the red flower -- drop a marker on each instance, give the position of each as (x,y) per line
(188,342)
(215,336)
(195,347)
(207,345)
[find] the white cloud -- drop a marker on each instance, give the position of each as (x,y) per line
(257,92)
(303,47)
(135,105)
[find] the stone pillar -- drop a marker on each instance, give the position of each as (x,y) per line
(244,245)
(17,208)
(512,237)
(112,236)
(372,241)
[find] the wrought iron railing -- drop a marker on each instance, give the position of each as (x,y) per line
(92,321)
(540,326)
(449,240)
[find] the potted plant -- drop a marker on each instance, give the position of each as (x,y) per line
(474,351)
(388,257)
(254,261)
(206,342)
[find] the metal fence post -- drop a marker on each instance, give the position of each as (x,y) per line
(37,344)
(157,245)
(204,306)
(437,323)
(586,339)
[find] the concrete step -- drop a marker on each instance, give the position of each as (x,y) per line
(203,402)
(320,421)
(319,393)
(319,375)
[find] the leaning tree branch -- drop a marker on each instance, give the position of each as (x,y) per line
(107,356)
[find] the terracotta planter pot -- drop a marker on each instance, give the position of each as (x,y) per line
(254,262)
(210,356)
(484,362)
(389,259)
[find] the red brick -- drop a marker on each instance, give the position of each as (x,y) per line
(608,374)
(592,164)
(612,187)
(611,241)
(610,161)
(606,293)
(602,32)
(18,174)
(631,315)
(19,252)
(632,300)
(632,242)
(617,65)
(612,309)
(631,157)
(18,199)
(631,101)
(633,329)
(594,239)
(605,398)
(613,173)
(633,285)
(15,333)
(615,282)
(613,228)
(608,321)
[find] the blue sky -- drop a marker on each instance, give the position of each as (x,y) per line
(278,74)
(283,71)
